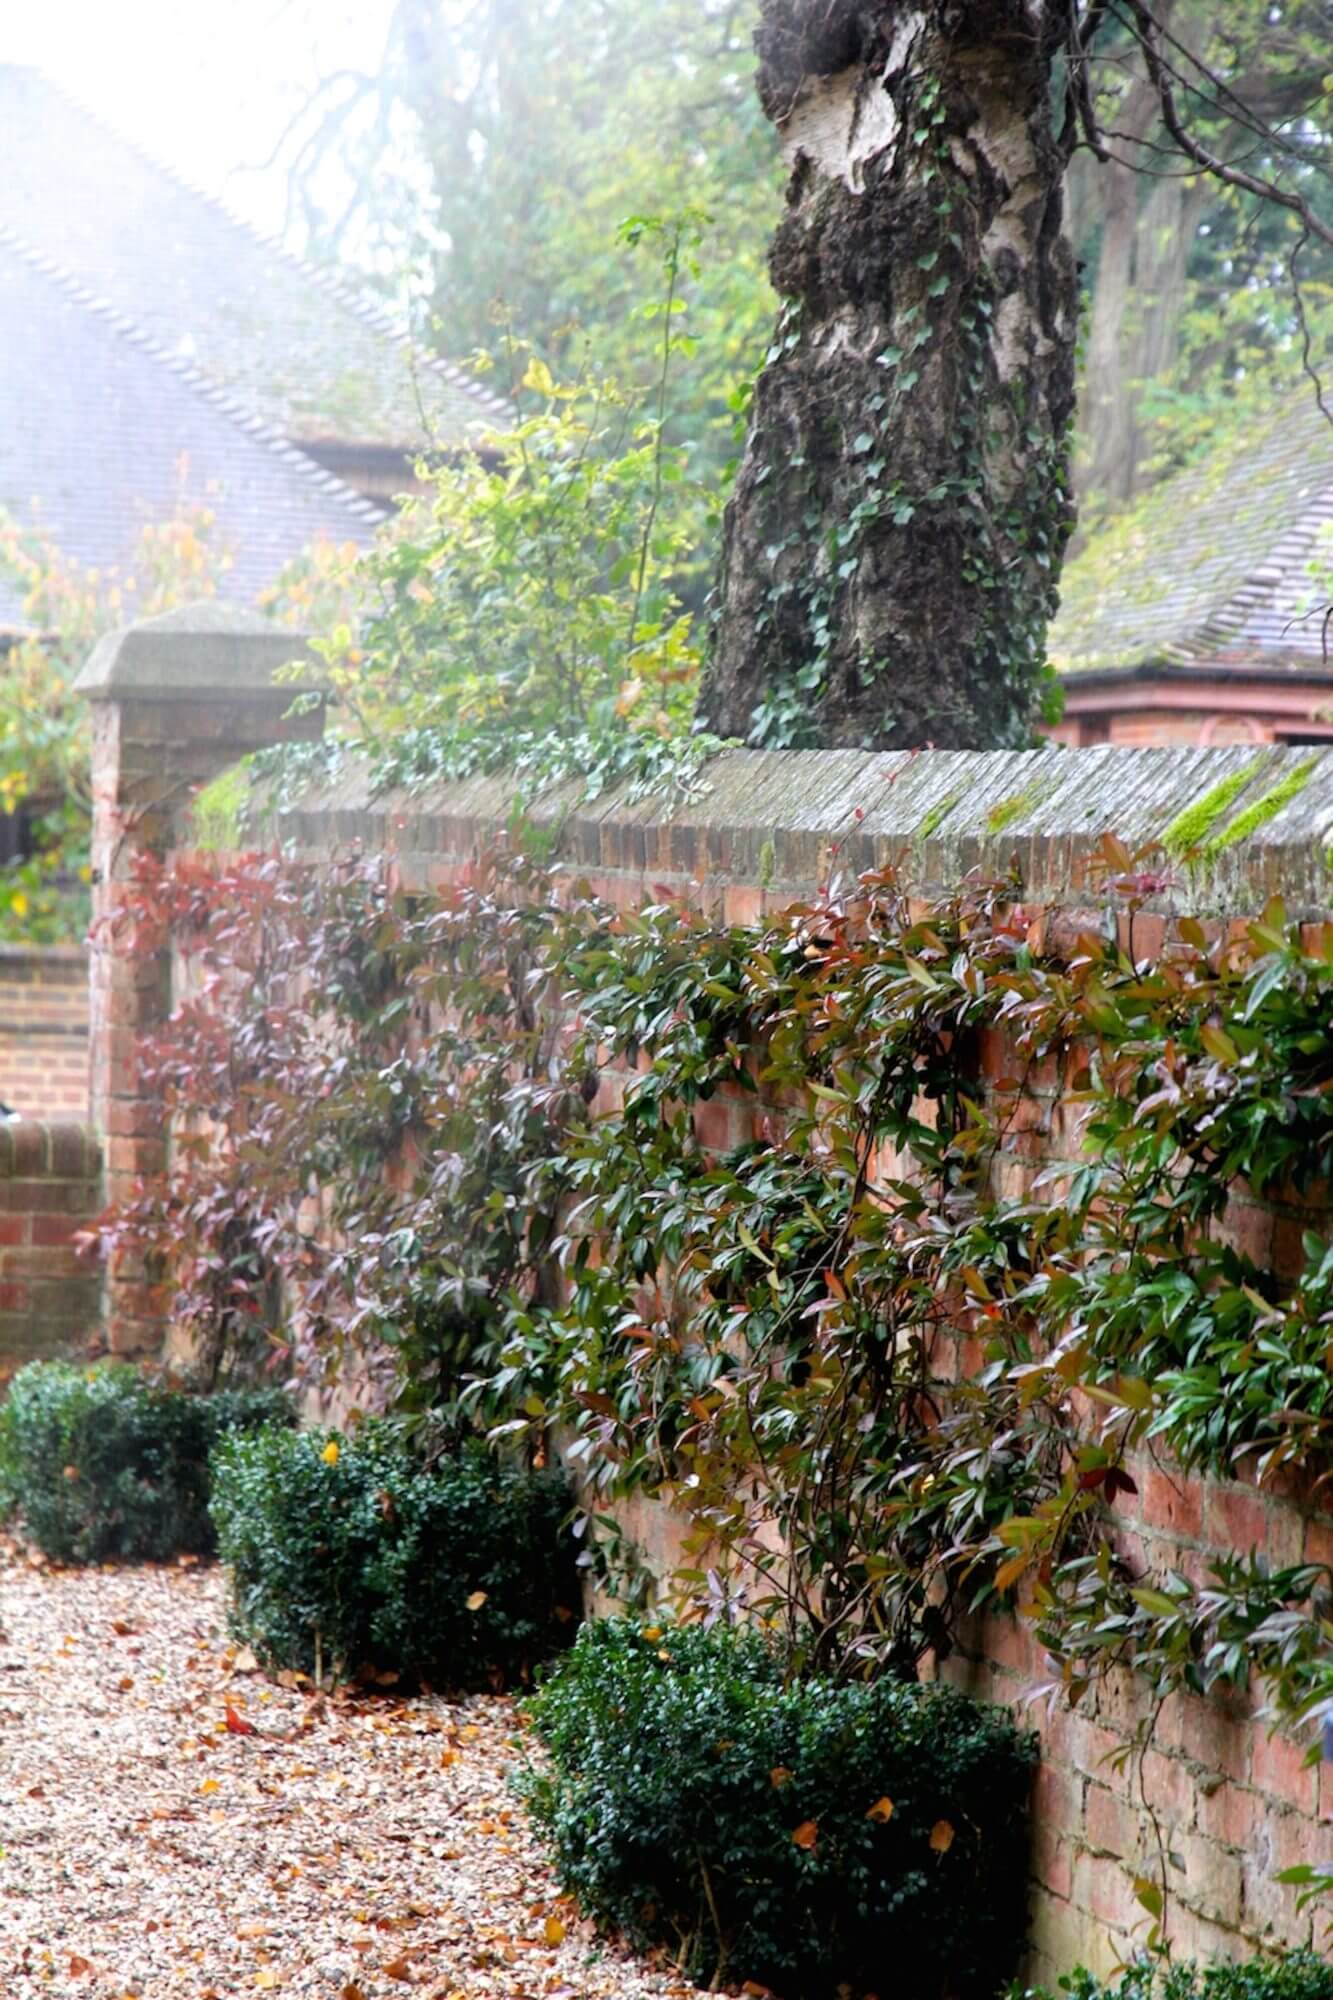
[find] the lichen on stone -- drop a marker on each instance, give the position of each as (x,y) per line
(937,814)
(1193,824)
(1264,808)
(1006,811)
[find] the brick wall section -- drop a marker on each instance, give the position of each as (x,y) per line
(1233,1804)
(176,699)
(44,1030)
(50,1187)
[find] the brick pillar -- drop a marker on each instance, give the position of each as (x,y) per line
(176,699)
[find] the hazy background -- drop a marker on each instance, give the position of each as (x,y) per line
(207,91)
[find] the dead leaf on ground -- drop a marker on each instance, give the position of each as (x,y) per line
(806,1834)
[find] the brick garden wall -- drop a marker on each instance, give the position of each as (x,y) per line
(1230,1803)
(44,1030)
(50,1186)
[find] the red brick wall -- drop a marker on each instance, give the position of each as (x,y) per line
(50,1186)
(1232,1806)
(44,1030)
(1229,1803)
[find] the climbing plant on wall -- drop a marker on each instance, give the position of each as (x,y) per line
(472,1134)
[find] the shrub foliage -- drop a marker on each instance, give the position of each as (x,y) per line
(103,1464)
(1300,1975)
(505,1100)
(799,1835)
(350,1553)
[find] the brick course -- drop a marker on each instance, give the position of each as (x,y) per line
(44,1030)
(50,1293)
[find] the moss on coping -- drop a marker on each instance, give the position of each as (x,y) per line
(219,810)
(939,812)
(1266,807)
(1006,811)
(1192,825)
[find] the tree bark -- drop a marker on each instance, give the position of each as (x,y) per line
(891,546)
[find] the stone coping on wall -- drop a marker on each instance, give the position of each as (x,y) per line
(1239,824)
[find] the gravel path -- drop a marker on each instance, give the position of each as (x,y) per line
(347,1849)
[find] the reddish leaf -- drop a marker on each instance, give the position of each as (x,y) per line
(237,1724)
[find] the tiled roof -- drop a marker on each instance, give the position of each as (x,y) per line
(298,348)
(102,431)
(1211,569)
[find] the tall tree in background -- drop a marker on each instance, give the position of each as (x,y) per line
(893,541)
(499,146)
(893,544)
(1189,280)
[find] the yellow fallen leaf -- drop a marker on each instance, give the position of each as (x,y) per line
(245,1662)
(266,1977)
(881,1811)
(806,1834)
(652,1633)
(779,1776)
(477,1599)
(554,1931)
(210,1785)
(330,1452)
(941,1836)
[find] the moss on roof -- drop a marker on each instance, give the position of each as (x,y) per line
(1214,560)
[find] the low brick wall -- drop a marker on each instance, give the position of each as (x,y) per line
(50,1187)
(1232,1803)
(44,1030)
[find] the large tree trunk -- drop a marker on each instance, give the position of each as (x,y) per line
(892,543)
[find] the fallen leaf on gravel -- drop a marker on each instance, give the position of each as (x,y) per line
(237,1724)
(377,1812)
(245,1662)
(398,1968)
(79,1966)
(554,1931)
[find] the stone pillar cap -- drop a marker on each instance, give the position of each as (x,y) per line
(193,652)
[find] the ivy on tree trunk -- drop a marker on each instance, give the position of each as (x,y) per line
(895,533)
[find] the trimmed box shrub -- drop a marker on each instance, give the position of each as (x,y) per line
(348,1553)
(1298,1975)
(801,1835)
(103,1464)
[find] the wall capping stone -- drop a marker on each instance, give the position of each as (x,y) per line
(194,652)
(785,819)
